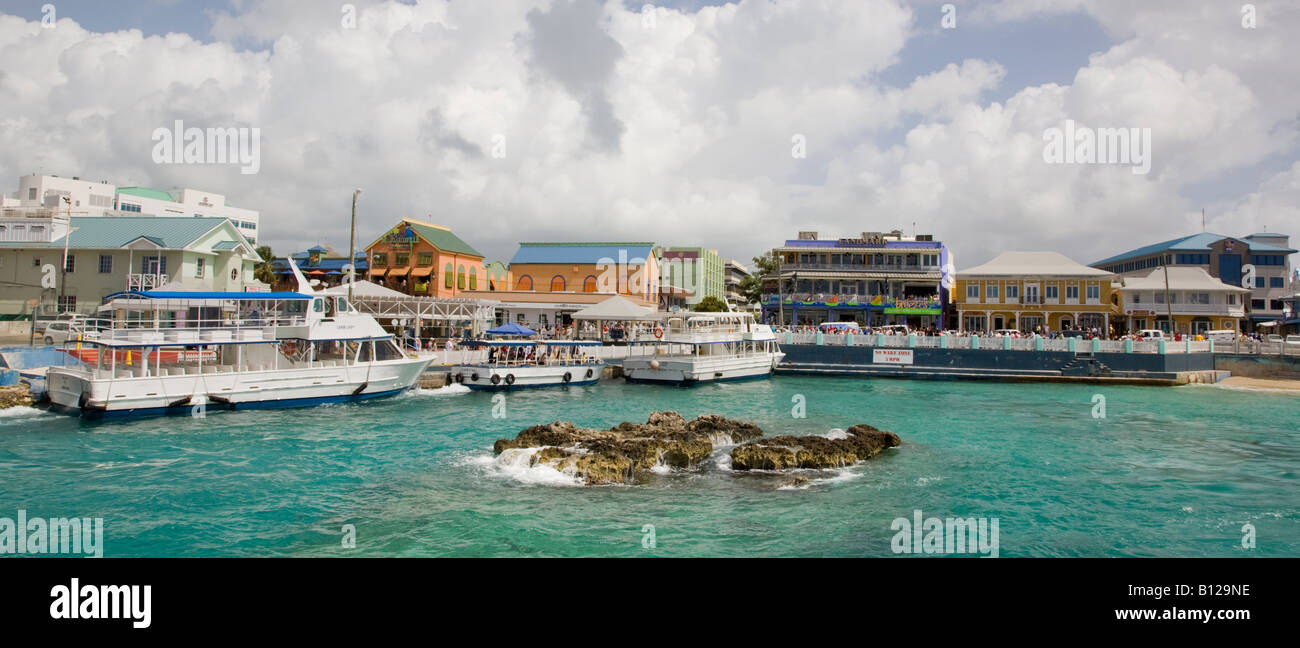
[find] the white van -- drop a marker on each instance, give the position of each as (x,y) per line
(1221,336)
(1152,334)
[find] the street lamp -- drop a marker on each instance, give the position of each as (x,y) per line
(352,245)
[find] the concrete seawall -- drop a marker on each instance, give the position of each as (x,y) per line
(1259,366)
(998,364)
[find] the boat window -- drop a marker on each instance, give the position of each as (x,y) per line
(341,304)
(386,350)
(366,351)
(318,305)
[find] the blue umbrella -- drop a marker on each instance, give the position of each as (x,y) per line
(511,328)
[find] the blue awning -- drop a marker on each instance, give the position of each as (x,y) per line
(237,296)
(511,328)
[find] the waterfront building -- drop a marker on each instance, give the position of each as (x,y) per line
(1034,292)
(1264,258)
(322,265)
(106,255)
(496,276)
(691,272)
(551,281)
(1197,301)
(423,259)
(735,274)
(875,279)
(75,197)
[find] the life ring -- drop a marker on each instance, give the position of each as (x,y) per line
(496,379)
(510,379)
(474,376)
(588,372)
(567,377)
(659,332)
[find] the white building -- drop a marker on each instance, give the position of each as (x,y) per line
(90,199)
(1197,301)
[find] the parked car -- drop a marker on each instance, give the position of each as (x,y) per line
(1153,334)
(839,327)
(1293,340)
(890,329)
(1273,338)
(59,332)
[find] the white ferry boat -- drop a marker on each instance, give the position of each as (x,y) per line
(702,348)
(185,352)
(516,364)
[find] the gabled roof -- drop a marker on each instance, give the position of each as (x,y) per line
(1034,263)
(100,232)
(439,236)
(225,245)
(1195,243)
(1180,278)
(581,253)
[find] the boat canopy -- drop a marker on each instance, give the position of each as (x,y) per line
(511,328)
(237,296)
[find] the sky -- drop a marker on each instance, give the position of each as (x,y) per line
(728,125)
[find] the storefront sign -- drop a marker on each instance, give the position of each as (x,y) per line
(891,356)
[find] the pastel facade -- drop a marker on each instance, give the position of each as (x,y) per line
(1197,301)
(1034,292)
(425,260)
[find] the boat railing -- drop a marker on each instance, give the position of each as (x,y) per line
(182,332)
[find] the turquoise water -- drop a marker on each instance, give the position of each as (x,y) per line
(1167,472)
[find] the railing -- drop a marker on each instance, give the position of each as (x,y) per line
(861,267)
(1225,310)
(1001,343)
(142,282)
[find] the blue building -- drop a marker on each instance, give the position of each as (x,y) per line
(1260,262)
(320,263)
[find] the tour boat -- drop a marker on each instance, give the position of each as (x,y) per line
(515,364)
(703,348)
(169,352)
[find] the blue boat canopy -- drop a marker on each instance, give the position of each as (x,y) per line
(511,328)
(237,296)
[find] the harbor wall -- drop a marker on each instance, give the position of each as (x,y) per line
(997,359)
(1259,366)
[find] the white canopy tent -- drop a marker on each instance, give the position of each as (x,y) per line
(618,308)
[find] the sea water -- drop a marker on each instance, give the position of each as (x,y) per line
(1066,469)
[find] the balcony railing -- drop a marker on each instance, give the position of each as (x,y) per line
(859,267)
(145,281)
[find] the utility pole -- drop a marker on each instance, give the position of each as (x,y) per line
(352,246)
(63,273)
(1169,306)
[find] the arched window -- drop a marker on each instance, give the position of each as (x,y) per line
(524,283)
(473,278)
(460,278)
(557,284)
(589,285)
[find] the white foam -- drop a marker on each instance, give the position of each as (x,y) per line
(517,464)
(21,411)
(925,481)
(841,475)
(836,434)
(453,389)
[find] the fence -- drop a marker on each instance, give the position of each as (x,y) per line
(1004,343)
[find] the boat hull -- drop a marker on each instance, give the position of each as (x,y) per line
(694,370)
(479,377)
(75,392)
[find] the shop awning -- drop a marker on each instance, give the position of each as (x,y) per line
(421,272)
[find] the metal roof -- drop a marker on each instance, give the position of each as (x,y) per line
(1195,243)
(103,232)
(581,253)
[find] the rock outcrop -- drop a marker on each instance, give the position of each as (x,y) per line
(619,454)
(15,396)
(623,453)
(861,442)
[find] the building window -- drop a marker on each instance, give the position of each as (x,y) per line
(70,264)
(1275,282)
(1137,298)
(31,193)
(129,207)
(1094,293)
(448,276)
(1051,292)
(105,264)
(1259,282)
(524,283)
(234,273)
(199,267)
(36,262)
(1013,292)
(1072,292)
(1257,304)
(426,258)
(589,284)
(993,291)
(460,278)
(67,303)
(379,259)
(473,278)
(557,284)
(972,291)
(403,259)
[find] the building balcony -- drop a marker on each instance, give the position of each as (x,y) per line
(1157,310)
(856,267)
(141,282)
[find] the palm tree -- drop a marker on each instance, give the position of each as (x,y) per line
(265,271)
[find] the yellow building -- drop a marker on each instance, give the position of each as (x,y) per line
(1034,291)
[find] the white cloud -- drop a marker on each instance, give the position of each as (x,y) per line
(679,134)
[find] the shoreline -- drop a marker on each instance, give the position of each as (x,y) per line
(1259,384)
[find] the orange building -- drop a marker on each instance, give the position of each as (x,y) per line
(424,259)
